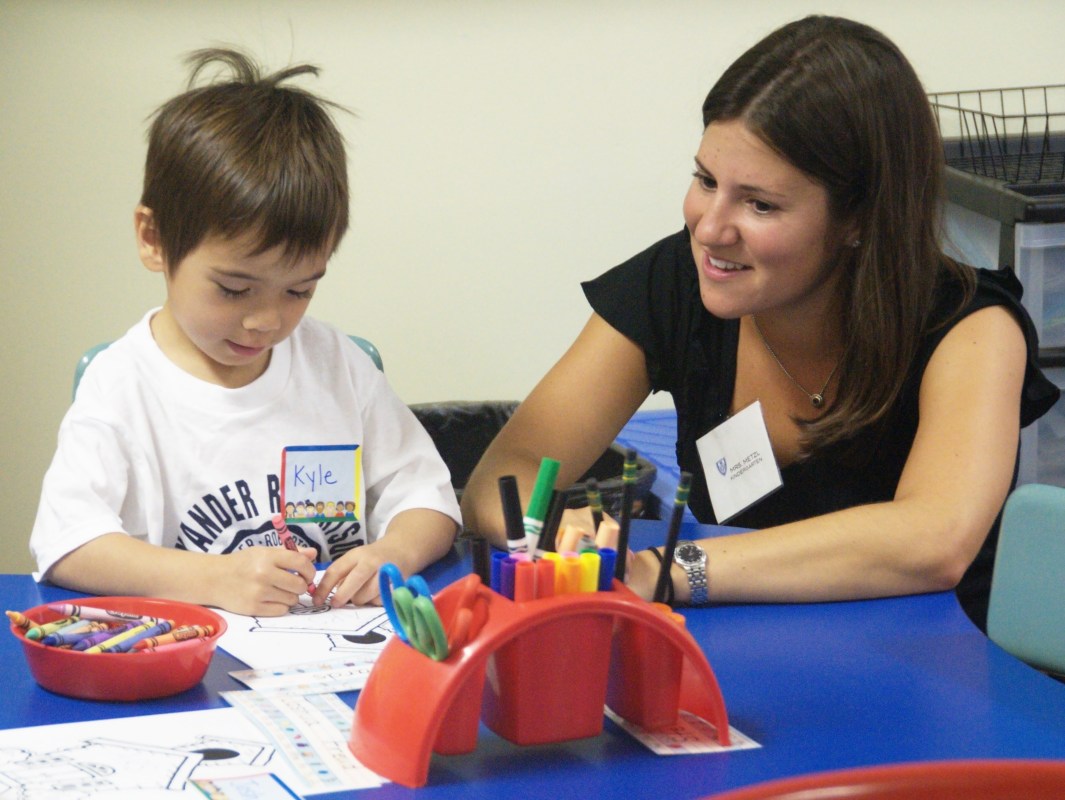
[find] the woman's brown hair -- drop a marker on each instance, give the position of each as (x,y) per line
(839,101)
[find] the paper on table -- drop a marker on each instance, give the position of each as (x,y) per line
(307,633)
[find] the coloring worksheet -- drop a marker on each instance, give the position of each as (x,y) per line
(152,757)
(298,744)
(307,633)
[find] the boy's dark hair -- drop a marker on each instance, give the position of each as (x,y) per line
(246,157)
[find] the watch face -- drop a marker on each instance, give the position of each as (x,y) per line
(690,553)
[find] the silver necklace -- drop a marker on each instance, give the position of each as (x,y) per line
(817,400)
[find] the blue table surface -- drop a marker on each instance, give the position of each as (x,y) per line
(819,686)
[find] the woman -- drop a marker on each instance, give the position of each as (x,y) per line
(892,380)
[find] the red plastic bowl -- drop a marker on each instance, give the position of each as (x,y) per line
(124,676)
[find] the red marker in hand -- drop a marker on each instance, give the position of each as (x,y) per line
(285,535)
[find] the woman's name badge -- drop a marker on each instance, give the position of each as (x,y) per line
(738,462)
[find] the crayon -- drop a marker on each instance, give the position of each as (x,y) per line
(628,492)
(91,612)
(285,535)
(680,501)
(182,634)
(118,638)
(69,634)
(160,628)
(100,636)
(19,620)
(512,520)
(40,631)
(536,512)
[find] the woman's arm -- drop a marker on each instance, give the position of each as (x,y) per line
(572,415)
(952,487)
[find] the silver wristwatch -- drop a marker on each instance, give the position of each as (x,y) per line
(692,559)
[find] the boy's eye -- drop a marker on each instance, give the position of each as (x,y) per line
(306,294)
(227,292)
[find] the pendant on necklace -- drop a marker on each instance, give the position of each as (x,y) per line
(817,400)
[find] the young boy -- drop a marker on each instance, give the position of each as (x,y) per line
(166,472)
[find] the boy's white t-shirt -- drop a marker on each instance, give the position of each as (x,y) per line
(149,450)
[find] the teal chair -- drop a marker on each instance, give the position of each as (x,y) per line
(83,362)
(1026,610)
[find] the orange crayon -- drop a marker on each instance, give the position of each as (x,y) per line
(182,634)
(18,619)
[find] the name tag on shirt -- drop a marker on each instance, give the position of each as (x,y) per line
(738,463)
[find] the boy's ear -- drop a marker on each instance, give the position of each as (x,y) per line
(148,246)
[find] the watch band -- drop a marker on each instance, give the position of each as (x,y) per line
(700,589)
(693,560)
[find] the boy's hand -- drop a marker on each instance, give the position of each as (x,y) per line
(353,577)
(264,581)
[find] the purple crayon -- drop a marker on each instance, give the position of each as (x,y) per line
(163,626)
(100,636)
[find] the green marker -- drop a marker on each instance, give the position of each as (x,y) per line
(541,498)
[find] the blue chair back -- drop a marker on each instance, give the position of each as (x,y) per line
(1026,610)
(79,369)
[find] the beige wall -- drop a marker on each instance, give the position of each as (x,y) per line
(501,152)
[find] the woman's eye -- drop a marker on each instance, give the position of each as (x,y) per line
(762,207)
(705,181)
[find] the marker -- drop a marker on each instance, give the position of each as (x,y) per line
(285,535)
(545,575)
(680,501)
(507,568)
(481,567)
(555,560)
(496,571)
(554,517)
(541,496)
(90,612)
(525,581)
(182,634)
(589,581)
(512,521)
(595,502)
(628,492)
(607,557)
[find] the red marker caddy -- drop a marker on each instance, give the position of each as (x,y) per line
(534,672)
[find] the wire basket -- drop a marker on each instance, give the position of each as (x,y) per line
(1012,135)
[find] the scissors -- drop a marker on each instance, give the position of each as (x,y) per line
(412,613)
